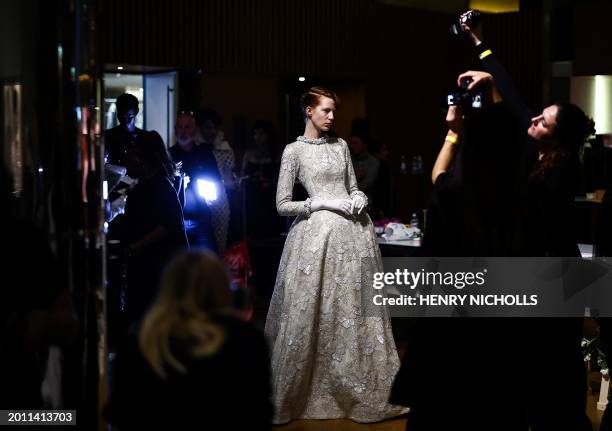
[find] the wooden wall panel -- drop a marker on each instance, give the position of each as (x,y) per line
(592,39)
(238,36)
(403,59)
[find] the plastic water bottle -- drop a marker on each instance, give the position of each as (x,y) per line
(403,166)
(414,221)
(414,224)
(419,167)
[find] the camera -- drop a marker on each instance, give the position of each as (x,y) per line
(470,18)
(465,98)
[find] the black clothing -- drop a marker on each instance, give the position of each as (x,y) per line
(487,207)
(229,389)
(605,335)
(444,235)
(550,227)
(550,199)
(200,162)
(460,355)
(31,283)
(117,142)
(151,203)
(475,205)
(262,168)
(383,192)
(262,219)
(548,232)
(605,324)
(604,231)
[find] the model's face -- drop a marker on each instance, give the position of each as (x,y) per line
(185,129)
(322,115)
(543,126)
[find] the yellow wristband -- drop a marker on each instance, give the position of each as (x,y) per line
(485,54)
(452,139)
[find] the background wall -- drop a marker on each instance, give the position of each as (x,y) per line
(593,38)
(393,64)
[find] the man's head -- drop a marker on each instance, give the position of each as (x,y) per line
(127,110)
(357,144)
(185,129)
(209,122)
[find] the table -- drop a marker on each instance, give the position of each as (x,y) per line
(399,248)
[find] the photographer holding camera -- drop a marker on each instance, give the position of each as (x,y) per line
(552,140)
(472,213)
(485,204)
(474,204)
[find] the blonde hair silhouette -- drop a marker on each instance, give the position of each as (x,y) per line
(194,286)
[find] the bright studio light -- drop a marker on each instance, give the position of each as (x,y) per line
(119,67)
(207,189)
(301,79)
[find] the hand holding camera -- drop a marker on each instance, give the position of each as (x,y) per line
(468,24)
(474,78)
(465,96)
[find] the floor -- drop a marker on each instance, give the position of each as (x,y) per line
(400,424)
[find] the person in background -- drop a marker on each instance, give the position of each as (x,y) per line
(209,123)
(604,248)
(191,363)
(36,311)
(258,162)
(119,139)
(552,140)
(383,186)
(467,217)
(199,164)
(260,170)
(366,166)
(152,228)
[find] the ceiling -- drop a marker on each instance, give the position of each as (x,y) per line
(455,6)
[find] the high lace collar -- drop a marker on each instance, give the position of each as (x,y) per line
(322,140)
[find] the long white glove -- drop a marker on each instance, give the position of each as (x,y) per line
(343,206)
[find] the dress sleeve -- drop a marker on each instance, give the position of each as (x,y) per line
(350,179)
(284,191)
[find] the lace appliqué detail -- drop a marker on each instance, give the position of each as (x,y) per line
(333,354)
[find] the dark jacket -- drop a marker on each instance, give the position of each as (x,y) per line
(228,390)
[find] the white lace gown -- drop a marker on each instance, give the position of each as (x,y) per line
(330,358)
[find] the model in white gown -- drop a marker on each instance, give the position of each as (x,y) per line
(330,358)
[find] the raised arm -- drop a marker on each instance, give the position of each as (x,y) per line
(447,154)
(503,80)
